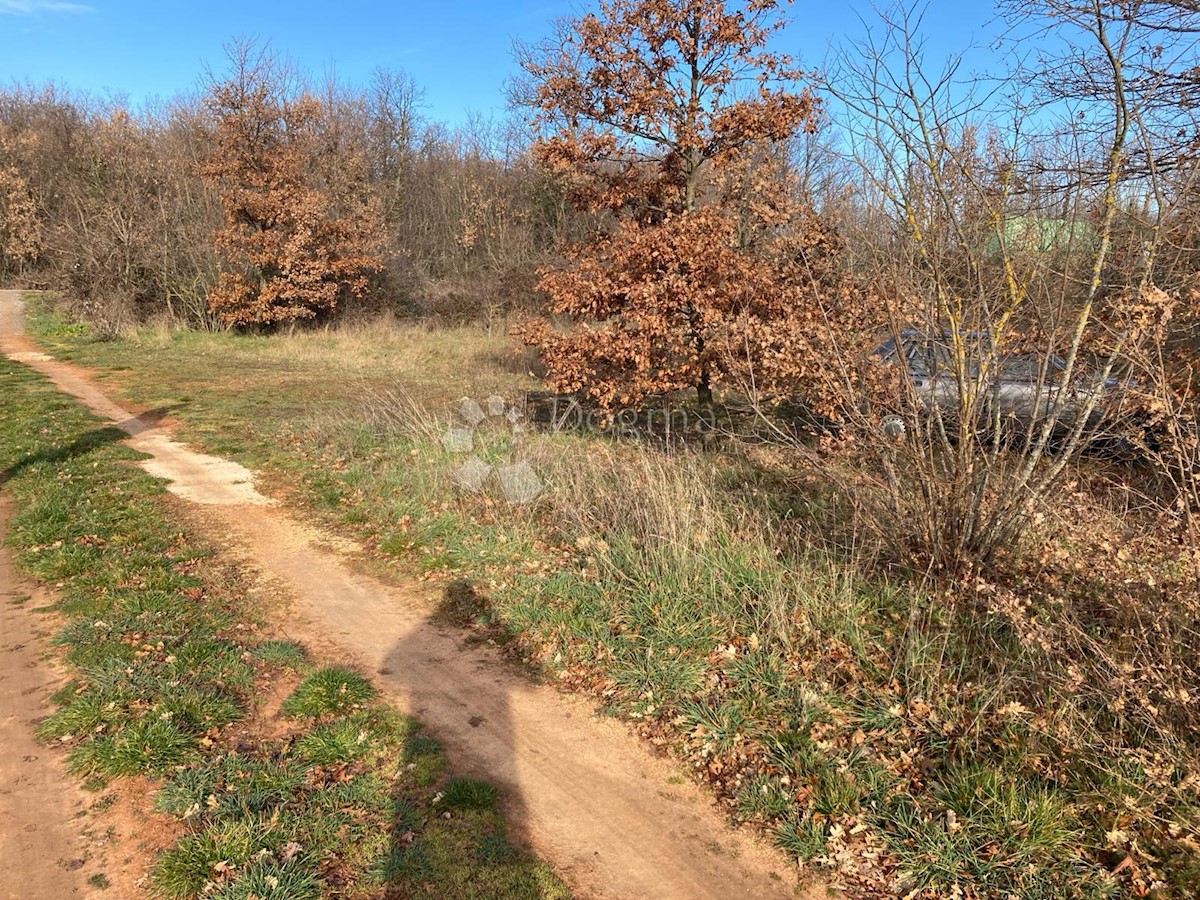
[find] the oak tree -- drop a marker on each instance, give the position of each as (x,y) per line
(300,235)
(665,121)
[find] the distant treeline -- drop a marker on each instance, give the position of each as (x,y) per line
(123,211)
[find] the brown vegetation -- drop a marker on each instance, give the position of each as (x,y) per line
(702,261)
(122,211)
(300,232)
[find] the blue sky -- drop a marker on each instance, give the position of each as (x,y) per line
(458,51)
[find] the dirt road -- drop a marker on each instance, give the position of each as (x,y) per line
(41,841)
(584,793)
(57,841)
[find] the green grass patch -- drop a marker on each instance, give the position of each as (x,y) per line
(268,881)
(328,692)
(284,654)
(467,793)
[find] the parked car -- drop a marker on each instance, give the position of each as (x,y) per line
(1021,389)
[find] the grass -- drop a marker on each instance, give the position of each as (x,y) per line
(852,716)
(223,379)
(266,880)
(467,793)
(285,654)
(164,683)
(328,692)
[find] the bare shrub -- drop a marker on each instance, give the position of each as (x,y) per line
(21,240)
(1005,345)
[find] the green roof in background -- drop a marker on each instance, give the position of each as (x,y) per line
(1033,234)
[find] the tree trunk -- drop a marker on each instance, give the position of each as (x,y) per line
(704,391)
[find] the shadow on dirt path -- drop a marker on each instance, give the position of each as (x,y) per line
(583,792)
(96,438)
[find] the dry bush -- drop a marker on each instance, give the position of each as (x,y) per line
(469,216)
(1065,575)
(124,223)
(996,251)
(21,240)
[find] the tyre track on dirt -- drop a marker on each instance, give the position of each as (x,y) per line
(583,792)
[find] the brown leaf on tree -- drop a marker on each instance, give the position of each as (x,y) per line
(300,234)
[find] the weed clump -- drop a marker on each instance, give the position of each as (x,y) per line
(328,692)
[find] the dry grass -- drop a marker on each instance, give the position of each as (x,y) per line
(468,358)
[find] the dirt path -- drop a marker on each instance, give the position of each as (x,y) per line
(56,841)
(583,792)
(42,848)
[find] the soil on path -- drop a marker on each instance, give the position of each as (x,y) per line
(43,851)
(56,840)
(583,792)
